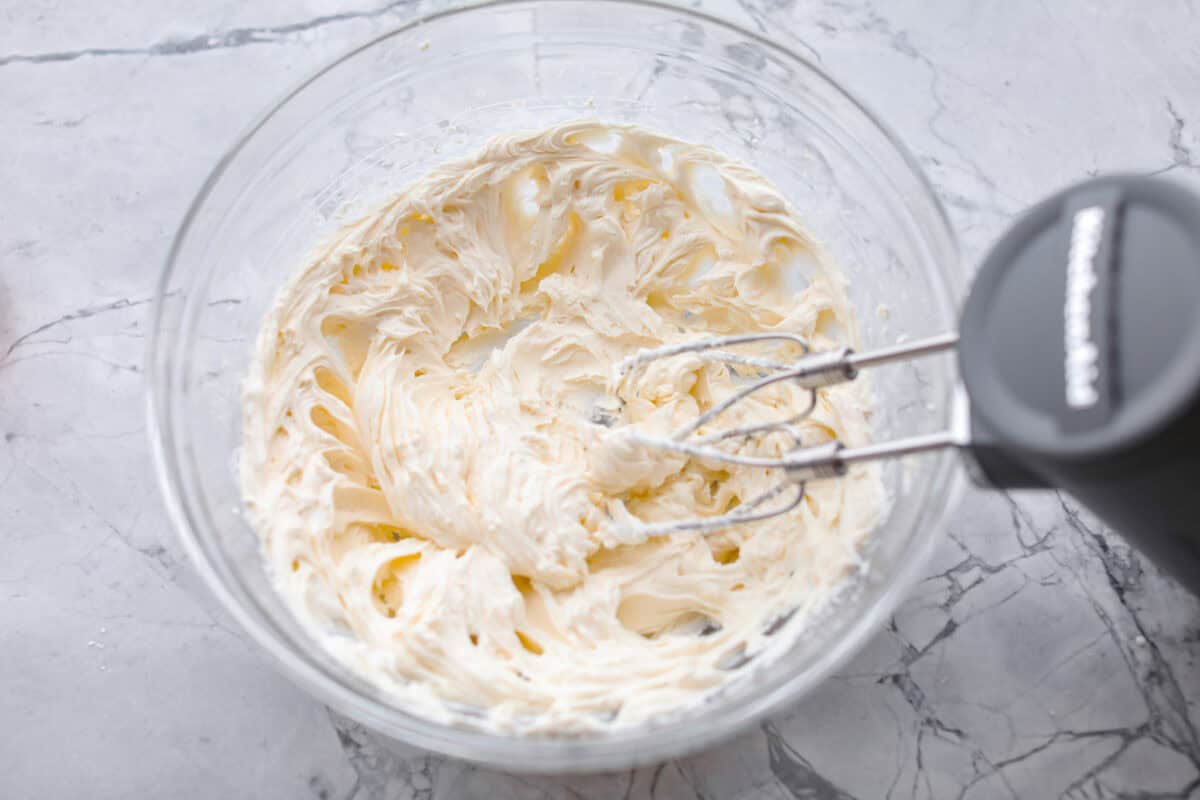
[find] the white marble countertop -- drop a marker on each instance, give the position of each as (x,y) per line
(1039,658)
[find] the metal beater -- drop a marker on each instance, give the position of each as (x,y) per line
(800,464)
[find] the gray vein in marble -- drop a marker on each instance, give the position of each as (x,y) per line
(33,337)
(77,314)
(235,37)
(1181,154)
(762,15)
(1169,723)
(795,772)
(380,774)
(901,42)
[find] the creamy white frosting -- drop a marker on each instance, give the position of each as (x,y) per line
(422,458)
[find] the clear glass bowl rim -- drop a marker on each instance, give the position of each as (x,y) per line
(546,755)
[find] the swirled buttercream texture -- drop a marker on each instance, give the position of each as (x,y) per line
(434,456)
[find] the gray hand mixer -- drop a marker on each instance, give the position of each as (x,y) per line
(1079,356)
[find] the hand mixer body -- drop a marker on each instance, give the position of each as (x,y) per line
(1079,348)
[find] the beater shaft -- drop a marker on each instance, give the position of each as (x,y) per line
(832,459)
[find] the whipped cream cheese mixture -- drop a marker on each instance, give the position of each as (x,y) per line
(434,454)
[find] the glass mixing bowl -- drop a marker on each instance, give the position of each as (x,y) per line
(437,88)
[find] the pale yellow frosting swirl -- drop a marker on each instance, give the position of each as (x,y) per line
(423,459)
